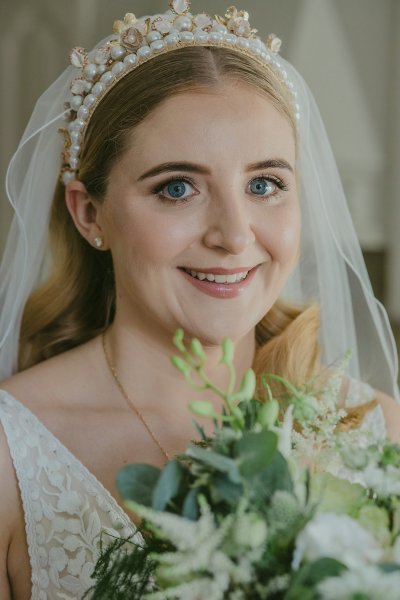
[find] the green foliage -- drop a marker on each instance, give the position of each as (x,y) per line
(136,482)
(230,507)
(309,575)
(167,485)
(116,570)
(215,461)
(254,451)
(390,455)
(190,507)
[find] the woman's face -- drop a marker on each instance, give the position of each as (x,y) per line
(202,214)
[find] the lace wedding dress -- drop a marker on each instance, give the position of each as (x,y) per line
(66,508)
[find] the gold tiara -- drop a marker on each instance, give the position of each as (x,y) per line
(137,40)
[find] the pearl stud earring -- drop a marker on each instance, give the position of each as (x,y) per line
(98,241)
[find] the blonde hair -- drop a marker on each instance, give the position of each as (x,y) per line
(77,302)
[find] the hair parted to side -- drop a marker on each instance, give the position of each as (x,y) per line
(77,302)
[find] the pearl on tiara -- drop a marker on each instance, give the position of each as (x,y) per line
(135,41)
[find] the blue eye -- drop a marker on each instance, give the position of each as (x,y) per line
(262,186)
(175,190)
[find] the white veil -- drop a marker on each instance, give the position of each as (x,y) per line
(330,271)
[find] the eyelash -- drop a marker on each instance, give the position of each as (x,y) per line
(164,184)
(281,185)
(158,189)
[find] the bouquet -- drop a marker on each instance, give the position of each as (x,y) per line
(286,501)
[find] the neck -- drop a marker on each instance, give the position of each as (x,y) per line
(142,361)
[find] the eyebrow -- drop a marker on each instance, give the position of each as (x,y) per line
(188,167)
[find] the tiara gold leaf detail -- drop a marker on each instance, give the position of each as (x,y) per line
(136,40)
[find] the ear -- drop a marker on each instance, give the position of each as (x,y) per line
(85,212)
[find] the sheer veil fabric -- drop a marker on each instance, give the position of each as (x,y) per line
(330,270)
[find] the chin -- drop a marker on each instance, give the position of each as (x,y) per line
(213,332)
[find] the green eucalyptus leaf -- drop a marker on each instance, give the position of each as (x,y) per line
(389,567)
(255,451)
(310,574)
(167,485)
(301,592)
(222,489)
(190,508)
(216,461)
(136,482)
(276,476)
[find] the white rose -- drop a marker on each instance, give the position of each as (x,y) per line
(339,537)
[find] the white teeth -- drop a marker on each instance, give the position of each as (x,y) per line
(233,278)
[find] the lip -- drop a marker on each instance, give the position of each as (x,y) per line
(222,290)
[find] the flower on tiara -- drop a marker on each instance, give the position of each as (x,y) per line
(203,21)
(121,26)
(163,24)
(101,55)
(240,26)
(274,43)
(180,7)
(79,86)
(132,38)
(78,57)
(237,22)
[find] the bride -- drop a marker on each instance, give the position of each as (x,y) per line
(196,189)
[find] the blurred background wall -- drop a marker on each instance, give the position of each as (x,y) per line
(348,51)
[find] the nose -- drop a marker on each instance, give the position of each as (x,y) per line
(229,224)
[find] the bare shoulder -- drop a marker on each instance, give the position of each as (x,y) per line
(391,411)
(54,379)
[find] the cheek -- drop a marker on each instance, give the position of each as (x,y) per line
(150,237)
(280,234)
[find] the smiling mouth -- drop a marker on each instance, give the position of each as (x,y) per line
(218,277)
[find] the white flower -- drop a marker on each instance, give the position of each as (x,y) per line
(370,582)
(339,537)
(250,530)
(285,433)
(385,482)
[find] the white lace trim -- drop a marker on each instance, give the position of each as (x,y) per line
(65,507)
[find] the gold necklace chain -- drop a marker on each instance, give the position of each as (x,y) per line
(128,399)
